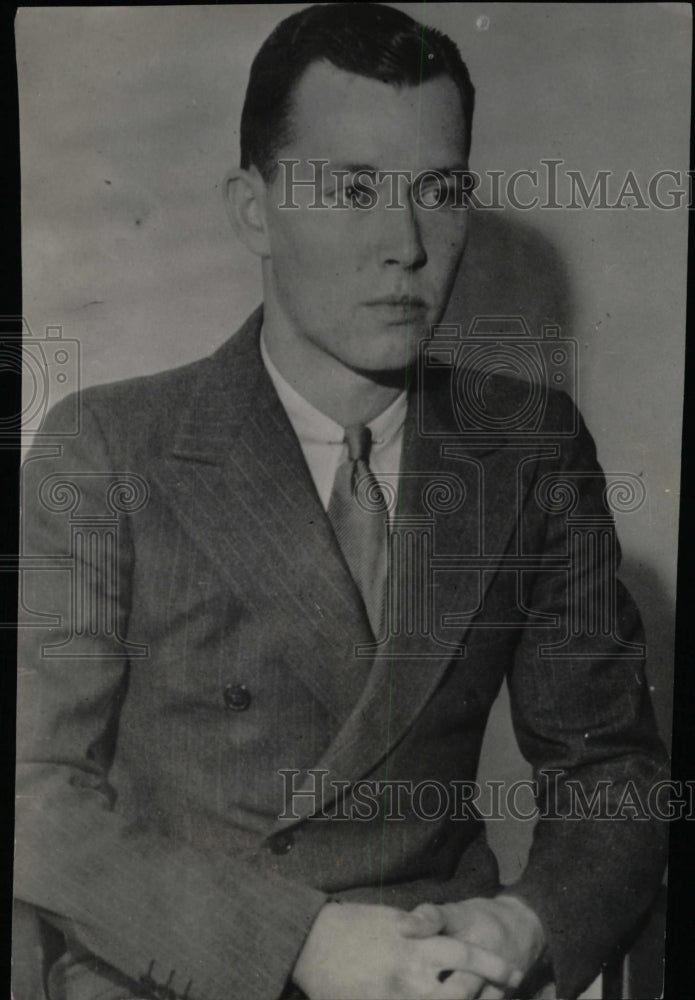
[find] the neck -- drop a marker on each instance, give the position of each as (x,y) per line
(344,394)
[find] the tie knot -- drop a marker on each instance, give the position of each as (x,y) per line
(358,438)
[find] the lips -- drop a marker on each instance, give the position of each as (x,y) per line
(399,310)
(399,302)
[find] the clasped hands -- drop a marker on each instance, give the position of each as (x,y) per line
(478,948)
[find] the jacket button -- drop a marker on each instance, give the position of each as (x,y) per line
(237,697)
(281,843)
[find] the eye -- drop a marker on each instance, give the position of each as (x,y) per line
(357,195)
(352,193)
(432,195)
(435,193)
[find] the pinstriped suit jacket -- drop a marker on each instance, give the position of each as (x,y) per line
(148,827)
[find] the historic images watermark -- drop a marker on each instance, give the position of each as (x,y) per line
(90,505)
(310,795)
(49,366)
(552,185)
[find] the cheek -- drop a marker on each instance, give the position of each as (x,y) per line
(445,241)
(290,247)
(312,246)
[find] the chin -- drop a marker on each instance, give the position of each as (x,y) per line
(383,350)
(395,378)
(388,366)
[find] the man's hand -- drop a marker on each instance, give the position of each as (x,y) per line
(359,951)
(504,926)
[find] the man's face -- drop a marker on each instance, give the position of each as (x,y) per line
(364,285)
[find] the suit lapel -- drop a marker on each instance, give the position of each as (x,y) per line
(238,481)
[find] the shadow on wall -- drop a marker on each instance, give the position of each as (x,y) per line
(510,269)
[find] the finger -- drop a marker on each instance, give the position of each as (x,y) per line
(424,921)
(450,953)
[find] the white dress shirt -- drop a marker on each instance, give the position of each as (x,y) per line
(322,439)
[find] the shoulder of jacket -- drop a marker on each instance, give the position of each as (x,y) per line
(501,398)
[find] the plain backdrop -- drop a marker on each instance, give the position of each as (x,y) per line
(129,121)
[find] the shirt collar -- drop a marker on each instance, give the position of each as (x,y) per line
(311,425)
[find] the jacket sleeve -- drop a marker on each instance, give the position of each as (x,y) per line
(159,912)
(581,709)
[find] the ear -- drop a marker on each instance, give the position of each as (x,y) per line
(244,192)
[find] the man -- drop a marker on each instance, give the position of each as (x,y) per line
(247,630)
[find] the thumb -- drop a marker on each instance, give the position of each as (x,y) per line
(424,921)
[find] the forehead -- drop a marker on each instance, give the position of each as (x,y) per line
(346,118)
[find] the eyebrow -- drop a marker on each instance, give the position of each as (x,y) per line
(456,168)
(354,168)
(367,168)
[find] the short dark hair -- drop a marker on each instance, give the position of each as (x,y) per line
(368,39)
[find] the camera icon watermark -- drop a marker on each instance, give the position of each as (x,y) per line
(471,364)
(49,368)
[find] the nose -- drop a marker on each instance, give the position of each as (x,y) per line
(402,242)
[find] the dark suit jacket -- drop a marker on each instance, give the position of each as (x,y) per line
(149,791)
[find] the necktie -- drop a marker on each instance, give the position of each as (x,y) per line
(358,514)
